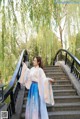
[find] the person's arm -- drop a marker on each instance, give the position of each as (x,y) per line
(25,77)
(47,87)
(45,77)
(51,80)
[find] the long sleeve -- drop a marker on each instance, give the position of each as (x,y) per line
(25,77)
(47,88)
(43,75)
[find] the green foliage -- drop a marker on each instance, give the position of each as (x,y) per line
(72,44)
(45,45)
(20,19)
(40,12)
(77,52)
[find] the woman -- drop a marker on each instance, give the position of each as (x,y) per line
(40,90)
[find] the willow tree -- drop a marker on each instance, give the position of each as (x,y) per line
(3,39)
(44,45)
(51,22)
(40,12)
(77,51)
(72,26)
(3,29)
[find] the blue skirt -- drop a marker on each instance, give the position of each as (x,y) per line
(35,107)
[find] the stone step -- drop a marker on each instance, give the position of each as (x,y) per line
(61,99)
(62,87)
(56,73)
(67,102)
(59,78)
(60,92)
(66,99)
(60,115)
(60,107)
(64,92)
(64,107)
(49,67)
(53,70)
(52,67)
(62,82)
(64,115)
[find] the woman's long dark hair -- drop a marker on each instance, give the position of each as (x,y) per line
(39,60)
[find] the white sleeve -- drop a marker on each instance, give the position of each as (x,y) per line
(47,87)
(24,74)
(43,75)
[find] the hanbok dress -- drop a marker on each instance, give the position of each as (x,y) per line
(40,92)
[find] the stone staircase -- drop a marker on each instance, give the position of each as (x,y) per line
(67,101)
